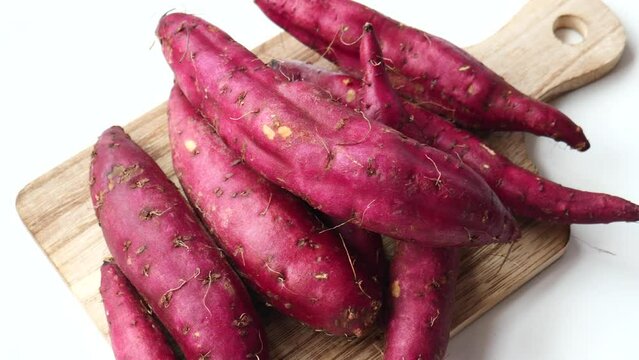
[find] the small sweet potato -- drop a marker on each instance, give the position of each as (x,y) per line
(158,243)
(272,237)
(432,71)
(422,292)
(335,159)
(134,333)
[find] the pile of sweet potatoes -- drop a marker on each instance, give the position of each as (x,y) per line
(292,173)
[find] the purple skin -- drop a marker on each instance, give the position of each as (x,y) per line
(365,248)
(134,333)
(382,102)
(297,137)
(271,236)
(523,192)
(428,69)
(158,243)
(422,294)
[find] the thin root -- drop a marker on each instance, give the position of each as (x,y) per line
(165,299)
(256,111)
(330,45)
(209,280)
(259,336)
(329,153)
(341,37)
(336,226)
(430,104)
(350,260)
(359,284)
(270,198)
(188,44)
(286,76)
(361,221)
(370,128)
(438,181)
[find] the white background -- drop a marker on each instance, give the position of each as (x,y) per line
(71,69)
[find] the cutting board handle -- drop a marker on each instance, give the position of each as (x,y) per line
(527,53)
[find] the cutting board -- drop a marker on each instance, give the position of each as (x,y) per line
(57,210)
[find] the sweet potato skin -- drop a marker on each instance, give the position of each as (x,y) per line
(432,71)
(145,222)
(272,237)
(134,333)
(326,153)
(380,101)
(422,292)
(366,248)
(523,192)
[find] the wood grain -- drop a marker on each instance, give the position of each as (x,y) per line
(57,210)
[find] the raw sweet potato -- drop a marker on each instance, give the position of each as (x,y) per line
(422,291)
(523,192)
(134,333)
(428,69)
(338,161)
(272,237)
(158,243)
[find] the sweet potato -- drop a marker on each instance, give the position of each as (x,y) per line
(272,237)
(429,69)
(422,291)
(523,192)
(158,243)
(134,333)
(339,162)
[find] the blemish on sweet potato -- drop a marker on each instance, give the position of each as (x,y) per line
(321,276)
(396,290)
(270,134)
(140,250)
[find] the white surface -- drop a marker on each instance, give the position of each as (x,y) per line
(71,69)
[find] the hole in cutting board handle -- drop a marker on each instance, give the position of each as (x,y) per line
(570,29)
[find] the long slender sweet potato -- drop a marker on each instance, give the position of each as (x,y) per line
(332,157)
(525,193)
(429,69)
(134,333)
(167,255)
(274,240)
(422,292)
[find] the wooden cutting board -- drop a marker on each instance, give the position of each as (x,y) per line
(57,210)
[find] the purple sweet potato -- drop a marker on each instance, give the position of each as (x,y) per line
(523,192)
(428,69)
(134,333)
(158,243)
(339,162)
(422,292)
(272,237)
